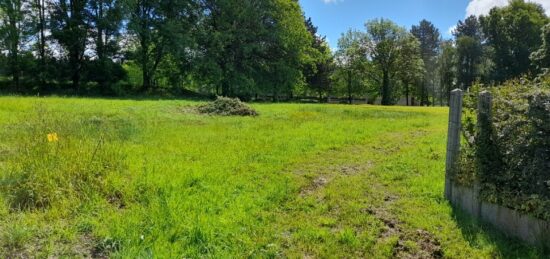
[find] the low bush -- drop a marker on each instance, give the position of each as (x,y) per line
(510,157)
(227,107)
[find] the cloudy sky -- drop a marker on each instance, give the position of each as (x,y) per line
(336,16)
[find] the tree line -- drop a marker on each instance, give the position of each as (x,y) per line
(388,61)
(224,47)
(251,49)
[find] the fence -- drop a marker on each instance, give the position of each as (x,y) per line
(513,223)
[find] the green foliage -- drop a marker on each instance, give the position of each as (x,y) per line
(511,153)
(541,58)
(318,71)
(14,31)
(162,29)
(351,61)
(225,47)
(250,47)
(385,39)
(430,39)
(68,27)
(469,54)
(135,76)
(447,70)
(411,66)
(226,106)
(513,32)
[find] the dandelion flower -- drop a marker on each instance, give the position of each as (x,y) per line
(52,137)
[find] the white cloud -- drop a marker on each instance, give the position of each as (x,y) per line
(482,7)
(451,30)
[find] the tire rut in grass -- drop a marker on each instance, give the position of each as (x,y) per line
(406,242)
(410,244)
(332,172)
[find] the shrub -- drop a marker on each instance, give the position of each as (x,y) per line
(511,156)
(227,107)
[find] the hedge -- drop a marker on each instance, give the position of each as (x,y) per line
(510,157)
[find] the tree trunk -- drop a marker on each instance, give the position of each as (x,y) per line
(42,42)
(15,70)
(441,95)
(386,93)
(144,66)
(15,62)
(13,37)
(423,93)
(146,78)
(74,61)
(144,44)
(100,48)
(433,94)
(407,93)
(275,95)
(225,88)
(350,95)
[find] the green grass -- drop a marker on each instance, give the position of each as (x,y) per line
(151,179)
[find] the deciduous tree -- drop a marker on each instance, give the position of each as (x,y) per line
(447,70)
(318,70)
(469,54)
(351,60)
(411,65)
(541,58)
(513,32)
(384,41)
(429,38)
(14,31)
(69,28)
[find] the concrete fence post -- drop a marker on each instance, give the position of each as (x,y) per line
(484,115)
(453,139)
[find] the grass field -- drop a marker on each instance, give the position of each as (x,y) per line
(131,179)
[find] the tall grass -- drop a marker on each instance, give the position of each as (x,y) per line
(62,161)
(60,166)
(141,179)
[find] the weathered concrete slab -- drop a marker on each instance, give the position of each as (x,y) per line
(464,197)
(514,224)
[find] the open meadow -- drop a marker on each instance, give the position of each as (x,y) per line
(153,178)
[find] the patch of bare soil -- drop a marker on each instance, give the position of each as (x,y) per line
(88,247)
(419,244)
(330,173)
(427,246)
(316,184)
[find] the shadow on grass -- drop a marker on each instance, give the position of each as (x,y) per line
(480,234)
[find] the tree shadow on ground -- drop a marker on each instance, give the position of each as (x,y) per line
(479,234)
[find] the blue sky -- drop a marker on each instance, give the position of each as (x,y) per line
(333,17)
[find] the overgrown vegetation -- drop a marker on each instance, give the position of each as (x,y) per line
(58,161)
(226,106)
(299,180)
(60,168)
(510,153)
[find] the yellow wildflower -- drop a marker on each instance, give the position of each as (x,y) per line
(52,137)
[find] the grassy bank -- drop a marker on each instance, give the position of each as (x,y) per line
(154,179)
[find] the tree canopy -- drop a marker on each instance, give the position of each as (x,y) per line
(257,50)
